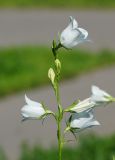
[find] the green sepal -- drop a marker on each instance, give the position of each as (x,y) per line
(67,129)
(44,106)
(60,112)
(72,106)
(46,109)
(54,45)
(74,134)
(70,118)
(111,99)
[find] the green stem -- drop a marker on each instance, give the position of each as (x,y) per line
(55,48)
(59,141)
(60,110)
(59,124)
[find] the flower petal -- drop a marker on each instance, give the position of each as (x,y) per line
(32,111)
(83,105)
(94,123)
(73,23)
(83,32)
(83,120)
(32,103)
(97,91)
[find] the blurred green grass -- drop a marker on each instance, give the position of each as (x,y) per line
(2,154)
(27,67)
(59,3)
(90,147)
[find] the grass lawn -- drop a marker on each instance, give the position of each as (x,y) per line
(59,3)
(90,148)
(27,67)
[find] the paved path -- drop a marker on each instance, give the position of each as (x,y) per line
(13,132)
(20,27)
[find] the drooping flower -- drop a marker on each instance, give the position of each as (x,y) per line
(32,110)
(100,96)
(83,106)
(73,35)
(83,120)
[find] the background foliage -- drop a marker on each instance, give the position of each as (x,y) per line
(27,67)
(59,3)
(90,147)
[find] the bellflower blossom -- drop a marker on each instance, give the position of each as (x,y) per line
(83,120)
(73,35)
(32,110)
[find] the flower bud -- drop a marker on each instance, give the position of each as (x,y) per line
(51,75)
(58,64)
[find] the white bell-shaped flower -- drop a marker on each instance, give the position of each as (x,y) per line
(83,120)
(100,96)
(72,35)
(83,106)
(32,110)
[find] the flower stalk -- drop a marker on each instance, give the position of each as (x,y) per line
(60,110)
(81,112)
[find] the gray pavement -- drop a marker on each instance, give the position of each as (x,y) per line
(20,27)
(13,132)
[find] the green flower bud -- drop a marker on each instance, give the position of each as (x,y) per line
(58,64)
(51,75)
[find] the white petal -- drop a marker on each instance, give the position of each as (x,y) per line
(99,100)
(83,105)
(99,96)
(81,120)
(94,123)
(73,23)
(87,125)
(68,38)
(97,91)
(83,32)
(90,124)
(80,37)
(77,123)
(32,103)
(32,111)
